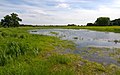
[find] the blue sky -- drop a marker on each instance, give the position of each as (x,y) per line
(60,11)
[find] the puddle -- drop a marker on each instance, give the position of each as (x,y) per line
(85,39)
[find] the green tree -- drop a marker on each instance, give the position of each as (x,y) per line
(15,20)
(90,24)
(115,22)
(102,21)
(0,24)
(6,22)
(10,20)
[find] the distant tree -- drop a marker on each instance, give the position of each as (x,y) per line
(71,25)
(102,21)
(115,22)
(11,20)
(15,20)
(6,22)
(0,24)
(90,24)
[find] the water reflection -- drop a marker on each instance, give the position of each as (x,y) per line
(86,39)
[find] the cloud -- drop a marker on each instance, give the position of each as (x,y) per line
(61,0)
(61,11)
(63,5)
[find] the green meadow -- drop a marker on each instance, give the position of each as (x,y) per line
(115,29)
(22,53)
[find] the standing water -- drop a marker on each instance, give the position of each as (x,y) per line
(92,45)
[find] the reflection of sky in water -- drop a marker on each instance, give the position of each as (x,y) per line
(85,37)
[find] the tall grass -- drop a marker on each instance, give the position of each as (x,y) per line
(22,53)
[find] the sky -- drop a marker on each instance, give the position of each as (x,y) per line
(48,12)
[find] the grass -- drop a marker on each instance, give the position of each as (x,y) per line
(55,33)
(115,29)
(17,46)
(22,53)
(115,54)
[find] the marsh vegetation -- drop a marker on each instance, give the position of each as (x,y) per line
(22,53)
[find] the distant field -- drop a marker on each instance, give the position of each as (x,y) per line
(103,28)
(97,28)
(22,53)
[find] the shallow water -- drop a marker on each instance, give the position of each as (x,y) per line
(85,39)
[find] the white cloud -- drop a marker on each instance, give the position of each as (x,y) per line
(56,15)
(63,5)
(61,0)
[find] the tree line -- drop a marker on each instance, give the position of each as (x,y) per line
(11,20)
(105,21)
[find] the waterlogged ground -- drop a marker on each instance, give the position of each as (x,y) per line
(102,47)
(22,53)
